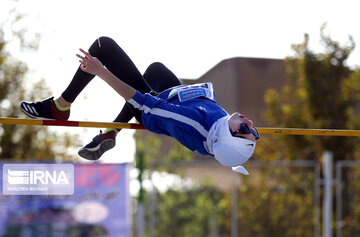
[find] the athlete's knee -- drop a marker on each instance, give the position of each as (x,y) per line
(102,44)
(156,66)
(105,41)
(151,69)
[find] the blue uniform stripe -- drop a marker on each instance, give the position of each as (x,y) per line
(188,122)
(168,114)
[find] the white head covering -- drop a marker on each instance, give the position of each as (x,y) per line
(229,150)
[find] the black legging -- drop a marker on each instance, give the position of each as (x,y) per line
(156,78)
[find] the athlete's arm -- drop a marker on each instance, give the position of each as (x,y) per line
(93,66)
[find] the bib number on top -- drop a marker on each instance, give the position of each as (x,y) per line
(186,93)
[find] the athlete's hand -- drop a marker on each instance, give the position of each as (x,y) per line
(89,63)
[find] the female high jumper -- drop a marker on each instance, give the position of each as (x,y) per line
(189,113)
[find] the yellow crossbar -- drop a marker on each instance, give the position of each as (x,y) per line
(262,130)
(47,122)
(313,132)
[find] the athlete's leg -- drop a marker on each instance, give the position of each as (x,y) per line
(160,78)
(113,58)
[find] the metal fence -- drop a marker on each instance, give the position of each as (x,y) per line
(315,188)
(331,181)
(349,169)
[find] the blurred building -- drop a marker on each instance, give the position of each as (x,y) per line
(240,85)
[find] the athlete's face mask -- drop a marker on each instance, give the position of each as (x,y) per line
(244,129)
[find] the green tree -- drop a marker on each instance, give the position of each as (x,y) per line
(196,209)
(18,142)
(351,218)
(321,92)
(192,211)
(279,201)
(165,157)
